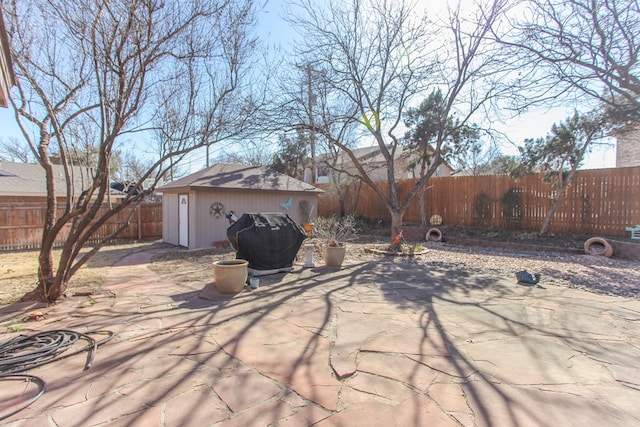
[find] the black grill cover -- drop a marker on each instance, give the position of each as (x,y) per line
(269,241)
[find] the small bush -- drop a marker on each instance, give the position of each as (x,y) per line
(335,230)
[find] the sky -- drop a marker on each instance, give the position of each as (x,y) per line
(274,30)
(534,124)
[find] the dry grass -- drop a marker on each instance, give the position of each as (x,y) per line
(19,270)
(181,266)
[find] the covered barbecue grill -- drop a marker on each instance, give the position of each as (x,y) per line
(269,241)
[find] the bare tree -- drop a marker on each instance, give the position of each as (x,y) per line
(334,115)
(380,57)
(590,46)
(107,70)
(252,152)
(131,168)
(500,164)
(14,149)
(308,107)
(478,160)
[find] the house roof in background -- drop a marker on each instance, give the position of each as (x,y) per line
(239,177)
(369,156)
(28,179)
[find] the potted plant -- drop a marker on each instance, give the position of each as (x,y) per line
(334,232)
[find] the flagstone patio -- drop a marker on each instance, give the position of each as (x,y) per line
(374,343)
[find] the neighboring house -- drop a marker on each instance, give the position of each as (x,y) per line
(7,78)
(23,201)
(373,162)
(23,207)
(20,182)
(628,147)
(195,208)
(27,181)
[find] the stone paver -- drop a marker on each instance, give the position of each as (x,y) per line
(376,343)
(284,352)
(400,367)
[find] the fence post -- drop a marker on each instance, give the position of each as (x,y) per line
(139,208)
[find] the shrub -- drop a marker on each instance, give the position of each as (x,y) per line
(335,230)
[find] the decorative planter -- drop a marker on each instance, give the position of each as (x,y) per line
(230,275)
(598,246)
(434,235)
(334,255)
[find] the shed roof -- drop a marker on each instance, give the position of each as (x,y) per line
(239,177)
(28,179)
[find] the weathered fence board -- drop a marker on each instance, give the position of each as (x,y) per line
(21,224)
(600,201)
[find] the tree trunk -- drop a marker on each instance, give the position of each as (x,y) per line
(547,219)
(423,213)
(48,290)
(355,194)
(51,286)
(342,208)
(396,222)
(563,183)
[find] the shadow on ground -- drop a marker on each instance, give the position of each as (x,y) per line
(388,342)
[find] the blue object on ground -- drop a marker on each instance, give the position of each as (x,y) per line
(525,277)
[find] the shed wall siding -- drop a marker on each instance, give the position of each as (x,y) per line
(208,230)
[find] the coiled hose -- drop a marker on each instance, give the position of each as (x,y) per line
(23,352)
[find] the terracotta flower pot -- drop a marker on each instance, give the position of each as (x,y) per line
(334,255)
(230,275)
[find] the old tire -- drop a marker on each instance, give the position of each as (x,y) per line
(598,246)
(434,235)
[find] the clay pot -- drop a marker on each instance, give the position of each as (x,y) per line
(334,255)
(230,275)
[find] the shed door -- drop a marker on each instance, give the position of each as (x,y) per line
(183,220)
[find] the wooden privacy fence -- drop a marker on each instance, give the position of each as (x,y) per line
(601,201)
(21,224)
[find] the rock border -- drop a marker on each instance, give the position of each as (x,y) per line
(395,253)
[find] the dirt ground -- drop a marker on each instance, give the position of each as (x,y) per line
(573,241)
(19,270)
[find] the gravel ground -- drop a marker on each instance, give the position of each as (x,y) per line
(596,274)
(592,273)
